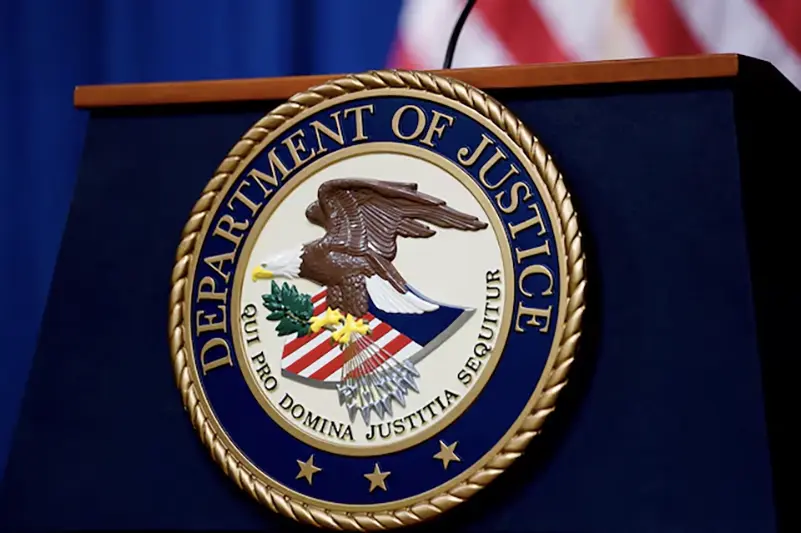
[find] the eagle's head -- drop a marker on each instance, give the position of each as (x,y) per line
(285,264)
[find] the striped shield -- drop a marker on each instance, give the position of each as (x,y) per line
(317,358)
(396,340)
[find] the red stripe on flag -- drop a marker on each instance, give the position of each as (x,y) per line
(380,330)
(299,342)
(393,347)
(663,28)
(786,16)
(310,357)
(335,364)
(400,58)
(330,367)
(319,296)
(519,27)
(323,348)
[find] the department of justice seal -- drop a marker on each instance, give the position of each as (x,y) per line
(376,300)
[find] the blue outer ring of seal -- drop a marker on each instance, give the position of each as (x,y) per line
(504,397)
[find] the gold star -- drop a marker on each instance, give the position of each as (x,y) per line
(447,454)
(377,478)
(307,469)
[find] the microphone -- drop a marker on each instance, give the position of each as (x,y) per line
(457,30)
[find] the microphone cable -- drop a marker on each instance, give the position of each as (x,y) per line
(457,30)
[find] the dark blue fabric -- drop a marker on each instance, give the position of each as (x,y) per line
(49,46)
(663,426)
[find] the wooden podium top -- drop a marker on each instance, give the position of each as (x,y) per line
(522,76)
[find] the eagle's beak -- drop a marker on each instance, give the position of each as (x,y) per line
(261,273)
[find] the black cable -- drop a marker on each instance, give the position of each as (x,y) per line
(455,33)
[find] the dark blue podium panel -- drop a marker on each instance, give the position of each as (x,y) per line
(663,427)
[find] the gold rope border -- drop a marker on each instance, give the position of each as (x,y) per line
(556,379)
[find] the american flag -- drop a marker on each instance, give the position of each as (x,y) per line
(315,357)
(505,32)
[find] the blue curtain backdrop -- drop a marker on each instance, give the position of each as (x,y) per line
(49,46)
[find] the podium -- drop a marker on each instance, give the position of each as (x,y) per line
(676,417)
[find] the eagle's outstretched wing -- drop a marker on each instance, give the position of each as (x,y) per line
(365,218)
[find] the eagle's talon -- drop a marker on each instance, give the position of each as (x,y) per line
(351,326)
(332,317)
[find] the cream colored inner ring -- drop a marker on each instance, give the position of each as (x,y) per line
(283,224)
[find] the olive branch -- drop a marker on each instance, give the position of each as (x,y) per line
(291,309)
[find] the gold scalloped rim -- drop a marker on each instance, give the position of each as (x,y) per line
(274,498)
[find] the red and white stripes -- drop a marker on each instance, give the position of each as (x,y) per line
(314,356)
(505,32)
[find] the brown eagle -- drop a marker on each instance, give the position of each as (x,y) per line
(362,220)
